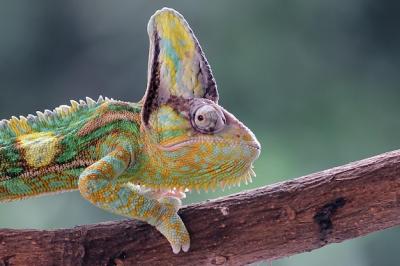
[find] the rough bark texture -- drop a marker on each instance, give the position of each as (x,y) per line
(262,224)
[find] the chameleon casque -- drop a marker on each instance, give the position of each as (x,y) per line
(135,159)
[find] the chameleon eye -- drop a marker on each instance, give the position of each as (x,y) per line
(207,119)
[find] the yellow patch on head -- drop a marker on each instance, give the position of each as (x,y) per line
(39,148)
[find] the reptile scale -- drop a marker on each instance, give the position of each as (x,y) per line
(135,159)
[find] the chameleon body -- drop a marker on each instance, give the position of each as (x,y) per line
(135,159)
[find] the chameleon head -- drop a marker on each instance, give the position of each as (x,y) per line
(199,143)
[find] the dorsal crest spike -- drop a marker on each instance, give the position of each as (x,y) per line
(90,101)
(24,125)
(3,124)
(47,112)
(40,115)
(101,99)
(74,104)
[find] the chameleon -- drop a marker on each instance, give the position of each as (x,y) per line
(136,160)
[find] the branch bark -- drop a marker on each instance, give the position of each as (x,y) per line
(262,224)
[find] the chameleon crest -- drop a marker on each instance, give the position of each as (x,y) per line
(136,159)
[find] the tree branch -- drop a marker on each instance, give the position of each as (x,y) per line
(262,224)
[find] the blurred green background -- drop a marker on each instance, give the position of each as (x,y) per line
(317,81)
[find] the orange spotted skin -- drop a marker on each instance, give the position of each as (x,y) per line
(136,159)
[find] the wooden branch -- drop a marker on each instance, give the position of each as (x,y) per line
(262,224)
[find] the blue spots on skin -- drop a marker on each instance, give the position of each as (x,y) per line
(180,153)
(107,194)
(104,148)
(164,118)
(123,196)
(117,164)
(176,155)
(226,150)
(115,205)
(91,172)
(246,152)
(185,168)
(168,119)
(211,159)
(145,208)
(216,151)
(96,185)
(203,147)
(170,51)
(172,126)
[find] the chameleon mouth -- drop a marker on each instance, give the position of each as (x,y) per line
(179,144)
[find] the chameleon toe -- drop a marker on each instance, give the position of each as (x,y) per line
(176,249)
(186,247)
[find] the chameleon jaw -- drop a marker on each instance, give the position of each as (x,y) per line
(245,175)
(179,144)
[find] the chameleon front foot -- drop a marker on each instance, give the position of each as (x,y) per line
(174,230)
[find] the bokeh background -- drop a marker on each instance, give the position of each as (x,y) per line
(317,81)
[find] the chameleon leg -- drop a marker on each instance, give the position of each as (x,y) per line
(100,185)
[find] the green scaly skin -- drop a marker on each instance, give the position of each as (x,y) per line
(135,159)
